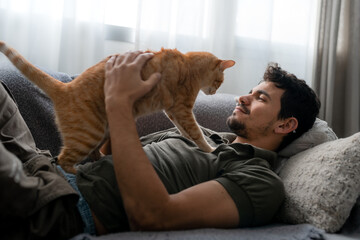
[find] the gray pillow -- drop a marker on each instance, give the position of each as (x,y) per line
(319,133)
(322,184)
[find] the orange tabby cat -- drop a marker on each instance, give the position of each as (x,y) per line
(80,108)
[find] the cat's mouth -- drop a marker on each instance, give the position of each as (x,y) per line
(209,90)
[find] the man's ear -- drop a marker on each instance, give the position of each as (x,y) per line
(287,125)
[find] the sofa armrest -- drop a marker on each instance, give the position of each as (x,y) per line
(34,106)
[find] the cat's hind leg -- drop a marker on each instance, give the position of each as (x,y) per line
(79,141)
(69,157)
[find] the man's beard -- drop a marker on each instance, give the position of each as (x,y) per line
(237,127)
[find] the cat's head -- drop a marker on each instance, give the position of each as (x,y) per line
(216,78)
(211,70)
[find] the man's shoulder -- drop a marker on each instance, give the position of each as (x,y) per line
(243,152)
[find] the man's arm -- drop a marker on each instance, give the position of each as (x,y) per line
(147,203)
(15,186)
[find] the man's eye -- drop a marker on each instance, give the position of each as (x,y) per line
(261,99)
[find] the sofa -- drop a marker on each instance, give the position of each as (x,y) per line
(321,173)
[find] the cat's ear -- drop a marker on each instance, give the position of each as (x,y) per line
(226,64)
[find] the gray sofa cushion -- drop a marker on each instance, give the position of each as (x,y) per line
(272,232)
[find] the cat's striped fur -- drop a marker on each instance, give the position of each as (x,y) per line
(80,108)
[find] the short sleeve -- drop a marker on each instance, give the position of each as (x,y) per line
(256,190)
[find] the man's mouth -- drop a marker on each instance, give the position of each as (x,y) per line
(242,108)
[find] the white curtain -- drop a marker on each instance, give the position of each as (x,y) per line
(71,35)
(55,34)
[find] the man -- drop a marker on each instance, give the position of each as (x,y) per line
(163,181)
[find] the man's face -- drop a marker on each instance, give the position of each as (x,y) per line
(256,114)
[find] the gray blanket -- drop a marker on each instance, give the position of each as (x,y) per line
(273,232)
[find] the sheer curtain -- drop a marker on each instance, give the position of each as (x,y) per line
(337,75)
(71,35)
(55,34)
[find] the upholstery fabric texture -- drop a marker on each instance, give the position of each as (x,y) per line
(322,184)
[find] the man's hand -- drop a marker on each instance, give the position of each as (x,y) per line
(123,83)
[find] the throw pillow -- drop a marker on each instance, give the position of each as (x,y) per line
(319,133)
(322,184)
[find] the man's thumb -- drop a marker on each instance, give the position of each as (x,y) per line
(153,79)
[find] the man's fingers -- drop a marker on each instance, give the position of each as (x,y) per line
(119,59)
(131,56)
(147,85)
(110,63)
(137,57)
(142,59)
(153,80)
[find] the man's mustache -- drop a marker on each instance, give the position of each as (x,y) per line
(242,106)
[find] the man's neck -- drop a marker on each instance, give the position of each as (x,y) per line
(265,143)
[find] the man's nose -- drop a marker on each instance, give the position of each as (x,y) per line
(244,100)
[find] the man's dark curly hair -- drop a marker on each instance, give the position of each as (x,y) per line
(298,100)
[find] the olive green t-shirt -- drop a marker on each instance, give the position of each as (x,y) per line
(243,170)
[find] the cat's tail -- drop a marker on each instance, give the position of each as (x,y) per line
(47,83)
